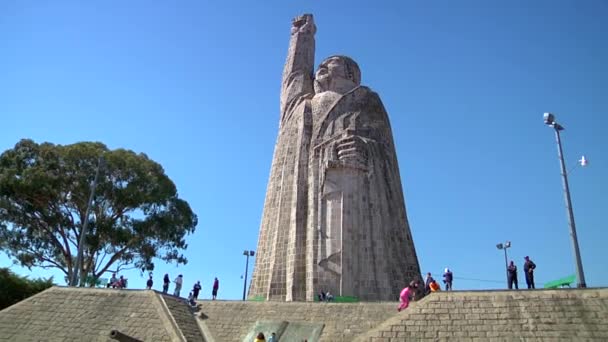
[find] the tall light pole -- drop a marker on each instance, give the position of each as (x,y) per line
(505,246)
(248,254)
(580,276)
(83,232)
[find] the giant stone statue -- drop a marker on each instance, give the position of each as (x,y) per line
(334,216)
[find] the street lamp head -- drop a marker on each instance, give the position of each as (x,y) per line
(251,253)
(245,252)
(549,119)
(507,244)
(499,246)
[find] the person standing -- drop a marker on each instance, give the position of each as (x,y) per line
(512,275)
(529,267)
(196,289)
(427,283)
(166,282)
(178,285)
(448,277)
(273,337)
(216,286)
(149,283)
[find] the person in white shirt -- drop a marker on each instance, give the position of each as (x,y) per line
(178,285)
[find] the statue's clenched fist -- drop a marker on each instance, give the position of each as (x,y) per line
(303,24)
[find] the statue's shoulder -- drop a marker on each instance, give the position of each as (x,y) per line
(364,92)
(366,96)
(366,89)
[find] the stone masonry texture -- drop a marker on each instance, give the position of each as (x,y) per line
(63,314)
(537,315)
(526,315)
(334,215)
(69,314)
(231,321)
(183,317)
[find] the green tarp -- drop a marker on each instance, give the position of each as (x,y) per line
(566,281)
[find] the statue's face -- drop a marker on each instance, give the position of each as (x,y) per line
(332,75)
(333,67)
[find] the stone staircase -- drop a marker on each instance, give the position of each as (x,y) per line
(525,315)
(233,320)
(547,315)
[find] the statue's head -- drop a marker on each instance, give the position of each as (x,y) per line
(337,73)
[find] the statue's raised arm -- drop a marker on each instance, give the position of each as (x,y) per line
(297,75)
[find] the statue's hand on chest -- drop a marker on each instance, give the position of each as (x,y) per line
(351,150)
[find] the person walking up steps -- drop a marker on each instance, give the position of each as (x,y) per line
(260,337)
(406,293)
(196,289)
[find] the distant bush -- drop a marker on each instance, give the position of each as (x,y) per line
(15,288)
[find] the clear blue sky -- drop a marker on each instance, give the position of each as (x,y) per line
(195,85)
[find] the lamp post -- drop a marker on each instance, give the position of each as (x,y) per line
(550,121)
(505,246)
(247,254)
(74,281)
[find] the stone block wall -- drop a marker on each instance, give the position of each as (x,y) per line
(547,315)
(525,315)
(231,321)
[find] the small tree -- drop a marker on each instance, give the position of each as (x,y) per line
(136,214)
(14,288)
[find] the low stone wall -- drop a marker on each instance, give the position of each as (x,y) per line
(547,315)
(232,320)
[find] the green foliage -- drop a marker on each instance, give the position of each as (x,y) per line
(136,214)
(14,288)
(92,281)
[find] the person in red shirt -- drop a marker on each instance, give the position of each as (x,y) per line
(216,286)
